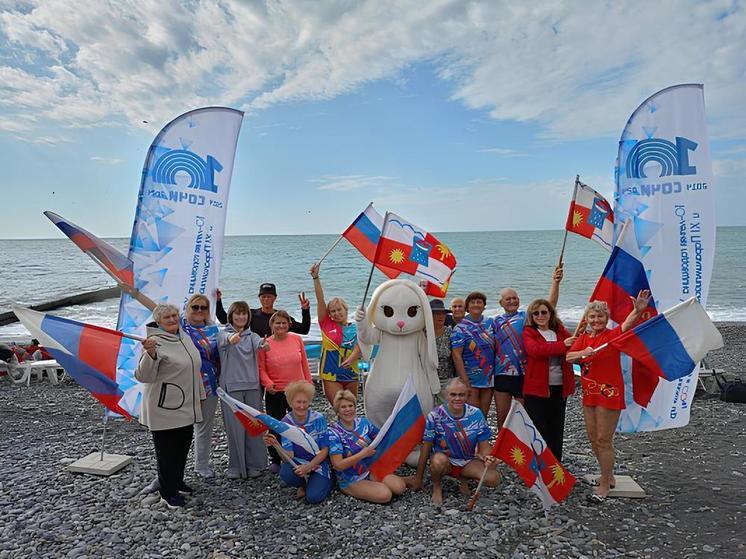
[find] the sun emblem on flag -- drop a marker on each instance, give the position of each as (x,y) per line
(396,256)
(558,476)
(577,218)
(444,251)
(516,455)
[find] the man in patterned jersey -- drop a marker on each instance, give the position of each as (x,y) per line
(457,441)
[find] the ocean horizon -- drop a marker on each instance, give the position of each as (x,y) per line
(34,271)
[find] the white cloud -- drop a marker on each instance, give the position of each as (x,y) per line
(577,70)
(503,152)
(107,160)
(351,183)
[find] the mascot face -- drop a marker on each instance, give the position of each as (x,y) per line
(399,311)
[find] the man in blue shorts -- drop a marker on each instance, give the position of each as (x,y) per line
(510,353)
(457,441)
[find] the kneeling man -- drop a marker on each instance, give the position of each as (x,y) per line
(457,441)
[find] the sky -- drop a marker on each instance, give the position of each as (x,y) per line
(457,115)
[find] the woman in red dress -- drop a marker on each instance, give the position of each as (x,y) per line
(602,383)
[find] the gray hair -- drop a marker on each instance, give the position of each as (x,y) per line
(454,381)
(505,290)
(598,306)
(161,309)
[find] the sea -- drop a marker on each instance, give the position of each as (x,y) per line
(37,271)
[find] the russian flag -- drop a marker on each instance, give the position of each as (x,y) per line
(401,432)
(291,432)
(672,343)
(110,259)
(88,353)
(364,234)
(253,426)
(623,277)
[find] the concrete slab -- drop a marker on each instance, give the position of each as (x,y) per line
(625,486)
(92,464)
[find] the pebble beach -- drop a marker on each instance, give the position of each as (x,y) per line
(694,478)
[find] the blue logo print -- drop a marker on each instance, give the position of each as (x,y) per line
(598,214)
(420,252)
(672,158)
(201,173)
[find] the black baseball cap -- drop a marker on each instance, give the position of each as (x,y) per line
(436,305)
(268,289)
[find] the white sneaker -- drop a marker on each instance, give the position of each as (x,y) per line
(152,487)
(205,473)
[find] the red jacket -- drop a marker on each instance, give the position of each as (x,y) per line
(538,352)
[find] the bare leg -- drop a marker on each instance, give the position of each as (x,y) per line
(485,399)
(473,399)
(606,422)
(331,388)
(474,470)
(439,466)
(371,491)
(502,405)
(351,386)
(396,485)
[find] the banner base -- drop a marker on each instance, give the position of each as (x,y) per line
(625,486)
(94,464)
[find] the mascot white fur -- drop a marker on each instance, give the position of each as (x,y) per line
(399,320)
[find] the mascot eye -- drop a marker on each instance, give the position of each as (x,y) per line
(388,311)
(412,311)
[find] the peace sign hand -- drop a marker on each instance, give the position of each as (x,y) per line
(305,304)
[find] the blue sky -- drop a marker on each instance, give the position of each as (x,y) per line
(457,115)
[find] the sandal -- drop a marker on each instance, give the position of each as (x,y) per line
(596,499)
(594,483)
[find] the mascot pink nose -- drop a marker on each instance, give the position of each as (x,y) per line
(400,324)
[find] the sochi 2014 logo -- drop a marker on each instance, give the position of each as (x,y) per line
(673,159)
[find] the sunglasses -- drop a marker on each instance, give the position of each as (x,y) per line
(200,307)
(539,313)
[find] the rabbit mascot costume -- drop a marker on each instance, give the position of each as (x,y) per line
(399,320)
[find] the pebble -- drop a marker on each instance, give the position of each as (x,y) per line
(49,511)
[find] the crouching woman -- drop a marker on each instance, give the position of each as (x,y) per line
(169,369)
(350,453)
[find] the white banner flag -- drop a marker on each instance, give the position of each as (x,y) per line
(664,185)
(177,237)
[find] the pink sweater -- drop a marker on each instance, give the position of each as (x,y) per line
(284,363)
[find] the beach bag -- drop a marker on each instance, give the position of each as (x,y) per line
(733,391)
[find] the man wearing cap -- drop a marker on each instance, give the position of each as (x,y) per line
(260,317)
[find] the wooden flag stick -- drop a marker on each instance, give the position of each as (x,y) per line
(331,248)
(473,500)
(564,239)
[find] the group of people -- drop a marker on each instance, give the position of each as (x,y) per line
(259,354)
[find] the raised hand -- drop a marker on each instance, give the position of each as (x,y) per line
(360,314)
(218,294)
(304,303)
(558,273)
(642,300)
(314,271)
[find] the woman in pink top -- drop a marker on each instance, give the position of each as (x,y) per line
(287,363)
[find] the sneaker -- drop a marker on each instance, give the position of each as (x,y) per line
(233,475)
(152,487)
(274,467)
(205,473)
(254,472)
(184,488)
(174,502)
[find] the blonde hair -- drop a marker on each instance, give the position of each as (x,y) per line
(335,300)
(280,314)
(198,297)
(299,387)
(343,396)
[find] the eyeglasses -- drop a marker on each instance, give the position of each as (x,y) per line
(200,307)
(539,313)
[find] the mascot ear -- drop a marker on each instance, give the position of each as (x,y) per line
(427,347)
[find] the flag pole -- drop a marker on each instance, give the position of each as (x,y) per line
(331,248)
(564,239)
(375,258)
(103,436)
(473,500)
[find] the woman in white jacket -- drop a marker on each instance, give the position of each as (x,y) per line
(169,367)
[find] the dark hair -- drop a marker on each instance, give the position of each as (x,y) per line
(238,306)
(474,296)
(554,322)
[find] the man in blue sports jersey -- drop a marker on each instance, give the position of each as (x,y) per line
(457,441)
(510,353)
